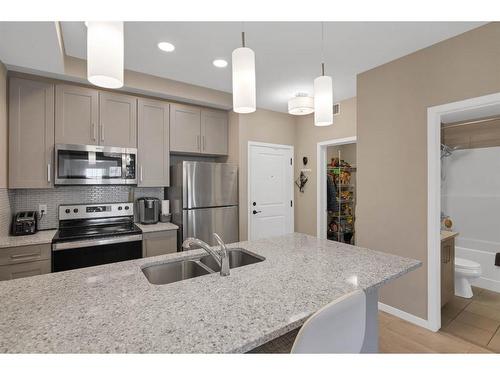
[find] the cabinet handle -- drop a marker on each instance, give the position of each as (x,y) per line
(203,143)
(141,174)
(94,132)
(102,132)
(48,172)
(19,256)
(198,142)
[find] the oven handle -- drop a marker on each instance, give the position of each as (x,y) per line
(95,242)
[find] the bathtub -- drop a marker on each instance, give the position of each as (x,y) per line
(482,252)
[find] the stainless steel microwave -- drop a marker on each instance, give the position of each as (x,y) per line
(95,165)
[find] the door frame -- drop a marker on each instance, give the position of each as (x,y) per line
(321,148)
(434,115)
(249,168)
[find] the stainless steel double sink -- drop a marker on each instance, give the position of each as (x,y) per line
(166,273)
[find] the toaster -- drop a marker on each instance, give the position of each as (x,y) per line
(24,222)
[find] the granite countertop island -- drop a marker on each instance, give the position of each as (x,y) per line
(114,309)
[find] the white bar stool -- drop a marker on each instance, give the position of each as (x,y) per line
(339,327)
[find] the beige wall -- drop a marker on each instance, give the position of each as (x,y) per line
(260,126)
(147,84)
(472,135)
(307,136)
(392,102)
(3,126)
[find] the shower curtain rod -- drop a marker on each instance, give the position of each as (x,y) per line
(453,124)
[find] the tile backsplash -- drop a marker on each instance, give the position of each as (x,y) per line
(5,212)
(29,199)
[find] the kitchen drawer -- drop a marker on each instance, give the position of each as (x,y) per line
(23,254)
(158,243)
(16,271)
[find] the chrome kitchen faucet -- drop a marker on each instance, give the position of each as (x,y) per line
(220,256)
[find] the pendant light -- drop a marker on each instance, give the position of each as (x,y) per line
(105,46)
(244,97)
(323,93)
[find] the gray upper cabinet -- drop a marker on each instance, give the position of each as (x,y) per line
(185,128)
(214,132)
(31,133)
(118,120)
(76,115)
(198,131)
(153,143)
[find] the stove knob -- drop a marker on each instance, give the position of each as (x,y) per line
(119,208)
(67,210)
(126,207)
(75,210)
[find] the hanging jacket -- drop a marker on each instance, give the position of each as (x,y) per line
(331,194)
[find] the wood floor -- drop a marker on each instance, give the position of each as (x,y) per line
(395,336)
(476,320)
(399,336)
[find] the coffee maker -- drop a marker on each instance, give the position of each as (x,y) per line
(149,210)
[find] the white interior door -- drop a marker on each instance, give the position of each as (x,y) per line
(270,205)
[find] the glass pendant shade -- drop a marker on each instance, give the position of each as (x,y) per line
(244,97)
(323,101)
(105,46)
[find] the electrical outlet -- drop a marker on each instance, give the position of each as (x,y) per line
(42,210)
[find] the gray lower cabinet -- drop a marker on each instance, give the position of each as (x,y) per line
(24,261)
(158,243)
(118,120)
(185,134)
(77,115)
(153,143)
(31,133)
(214,132)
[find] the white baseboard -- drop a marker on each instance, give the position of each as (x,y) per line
(404,315)
(489,284)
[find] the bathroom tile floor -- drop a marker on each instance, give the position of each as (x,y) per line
(476,320)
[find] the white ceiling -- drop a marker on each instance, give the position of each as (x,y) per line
(288,54)
(32,45)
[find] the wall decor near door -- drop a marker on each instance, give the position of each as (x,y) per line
(341,197)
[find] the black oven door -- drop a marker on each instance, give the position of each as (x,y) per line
(87,253)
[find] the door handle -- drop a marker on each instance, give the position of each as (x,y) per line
(256,212)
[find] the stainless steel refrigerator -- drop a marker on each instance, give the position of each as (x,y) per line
(204,199)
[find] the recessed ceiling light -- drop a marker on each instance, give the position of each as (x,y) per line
(220,63)
(166,46)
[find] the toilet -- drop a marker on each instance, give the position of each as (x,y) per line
(465,271)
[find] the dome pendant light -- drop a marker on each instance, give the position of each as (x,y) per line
(244,97)
(105,46)
(323,95)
